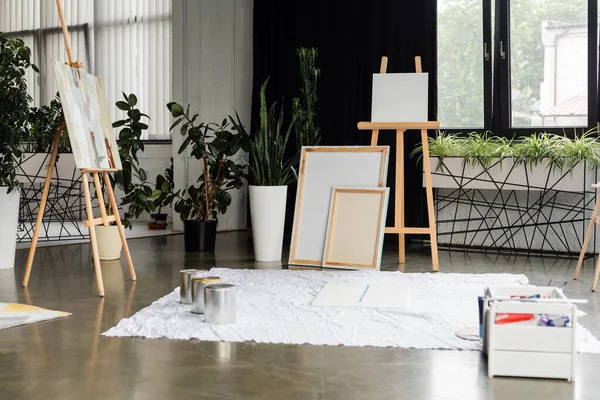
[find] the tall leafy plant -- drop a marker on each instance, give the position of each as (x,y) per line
(304,107)
(15,59)
(132,179)
(215,145)
(268,164)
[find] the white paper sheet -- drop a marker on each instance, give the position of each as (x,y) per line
(362,295)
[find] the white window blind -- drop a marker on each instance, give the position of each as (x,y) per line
(126,43)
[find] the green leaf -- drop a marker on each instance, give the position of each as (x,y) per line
(132,100)
(121,105)
(143,175)
(176,110)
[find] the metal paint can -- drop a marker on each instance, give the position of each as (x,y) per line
(185,294)
(220,301)
(198,285)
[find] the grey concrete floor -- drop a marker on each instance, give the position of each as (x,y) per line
(67,359)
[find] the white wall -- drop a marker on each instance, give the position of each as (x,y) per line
(212,71)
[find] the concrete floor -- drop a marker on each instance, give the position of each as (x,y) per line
(67,359)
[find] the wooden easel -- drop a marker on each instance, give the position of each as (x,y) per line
(91,222)
(400,127)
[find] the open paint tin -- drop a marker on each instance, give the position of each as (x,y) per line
(185,294)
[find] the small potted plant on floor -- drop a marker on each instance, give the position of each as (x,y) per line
(164,195)
(131,179)
(215,146)
(15,60)
(270,173)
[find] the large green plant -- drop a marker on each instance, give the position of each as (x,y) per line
(215,145)
(44,121)
(15,59)
(304,107)
(268,164)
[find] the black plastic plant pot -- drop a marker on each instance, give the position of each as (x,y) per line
(199,235)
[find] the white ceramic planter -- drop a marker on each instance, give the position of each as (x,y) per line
(9,215)
(508,176)
(109,242)
(267,211)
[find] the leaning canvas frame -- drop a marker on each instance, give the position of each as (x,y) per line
(321,169)
(356,228)
(88,119)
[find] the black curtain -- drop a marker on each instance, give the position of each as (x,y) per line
(351,36)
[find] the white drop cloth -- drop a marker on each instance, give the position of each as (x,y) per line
(274,306)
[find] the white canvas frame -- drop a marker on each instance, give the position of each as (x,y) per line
(321,169)
(400,97)
(362,228)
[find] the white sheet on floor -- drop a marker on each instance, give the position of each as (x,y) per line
(274,306)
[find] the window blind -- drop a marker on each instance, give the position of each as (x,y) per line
(125,43)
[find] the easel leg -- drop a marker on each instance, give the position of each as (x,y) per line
(113,204)
(587,238)
(92,230)
(596,275)
(374,137)
(430,210)
(40,215)
(399,217)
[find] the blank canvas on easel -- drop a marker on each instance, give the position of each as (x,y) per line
(88,118)
(355,228)
(399,97)
(321,169)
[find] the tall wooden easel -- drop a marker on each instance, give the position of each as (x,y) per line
(399,227)
(91,222)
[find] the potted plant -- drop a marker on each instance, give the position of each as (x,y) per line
(15,59)
(215,146)
(270,173)
(484,161)
(130,179)
(163,197)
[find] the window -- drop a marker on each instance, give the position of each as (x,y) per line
(460,66)
(126,43)
(526,65)
(548,63)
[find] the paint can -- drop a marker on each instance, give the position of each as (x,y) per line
(185,293)
(198,285)
(220,303)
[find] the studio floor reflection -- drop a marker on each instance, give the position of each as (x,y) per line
(67,359)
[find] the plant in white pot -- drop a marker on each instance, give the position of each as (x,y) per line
(15,59)
(215,146)
(271,174)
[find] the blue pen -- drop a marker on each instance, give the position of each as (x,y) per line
(363,295)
